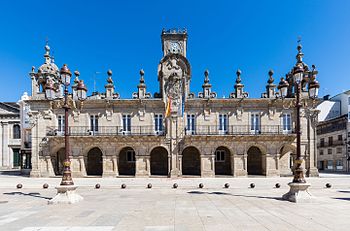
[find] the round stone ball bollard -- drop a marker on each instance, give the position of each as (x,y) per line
(175,185)
(123,186)
(19,186)
(328,185)
(97,186)
(252,185)
(201,185)
(227,185)
(149,185)
(277,185)
(45,186)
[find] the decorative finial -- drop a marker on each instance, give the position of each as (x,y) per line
(109,79)
(270,81)
(206,74)
(109,73)
(238,73)
(142,73)
(77,74)
(33,69)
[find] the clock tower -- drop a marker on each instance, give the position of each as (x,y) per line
(174,41)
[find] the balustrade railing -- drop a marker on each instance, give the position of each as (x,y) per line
(106,131)
(238,130)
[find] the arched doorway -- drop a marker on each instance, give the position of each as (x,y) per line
(126,163)
(94,162)
(57,161)
(159,161)
(191,161)
(285,163)
(255,161)
(222,161)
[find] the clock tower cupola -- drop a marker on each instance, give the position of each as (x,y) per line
(174,41)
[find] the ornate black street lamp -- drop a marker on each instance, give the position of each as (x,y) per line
(299,73)
(50,91)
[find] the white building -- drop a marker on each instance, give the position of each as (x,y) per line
(333,133)
(10,136)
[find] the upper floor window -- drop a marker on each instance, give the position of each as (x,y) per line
(329,151)
(158,123)
(223,123)
(94,123)
(16,131)
(322,142)
(191,124)
(61,123)
(340,137)
(330,141)
(127,123)
(321,152)
(339,150)
(286,123)
(255,123)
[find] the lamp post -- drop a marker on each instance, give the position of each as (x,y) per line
(66,190)
(298,187)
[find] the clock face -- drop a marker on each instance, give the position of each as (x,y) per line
(175,47)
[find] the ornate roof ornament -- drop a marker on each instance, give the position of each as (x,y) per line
(207,93)
(141,93)
(270,81)
(239,92)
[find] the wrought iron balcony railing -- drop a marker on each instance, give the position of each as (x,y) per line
(106,131)
(238,130)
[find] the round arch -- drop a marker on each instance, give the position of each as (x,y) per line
(223,161)
(255,161)
(94,162)
(126,163)
(57,161)
(159,161)
(191,161)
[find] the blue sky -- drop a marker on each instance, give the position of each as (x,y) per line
(254,36)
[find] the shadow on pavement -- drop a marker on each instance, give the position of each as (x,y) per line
(339,198)
(342,191)
(236,195)
(34,194)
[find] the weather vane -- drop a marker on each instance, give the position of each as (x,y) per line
(299,39)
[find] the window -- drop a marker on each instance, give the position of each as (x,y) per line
(286,123)
(61,124)
(330,164)
(330,141)
(340,137)
(16,157)
(329,151)
(191,124)
(339,150)
(339,165)
(223,123)
(220,155)
(158,123)
(321,152)
(322,142)
(255,123)
(127,123)
(130,155)
(94,123)
(16,131)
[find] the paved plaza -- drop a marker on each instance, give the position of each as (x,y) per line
(187,208)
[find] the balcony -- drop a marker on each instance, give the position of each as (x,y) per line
(331,144)
(239,130)
(107,131)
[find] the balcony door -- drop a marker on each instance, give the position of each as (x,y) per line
(223,124)
(255,123)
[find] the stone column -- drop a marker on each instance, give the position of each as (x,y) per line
(206,166)
(35,171)
(271,167)
(5,140)
(142,170)
(115,165)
